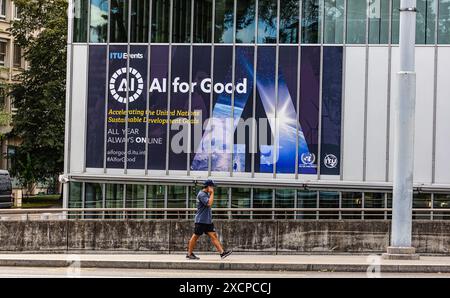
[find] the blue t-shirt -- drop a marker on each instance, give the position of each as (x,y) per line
(204,212)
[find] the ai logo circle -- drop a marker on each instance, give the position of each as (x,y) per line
(330,161)
(118,85)
(308,158)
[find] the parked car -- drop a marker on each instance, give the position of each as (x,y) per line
(6,197)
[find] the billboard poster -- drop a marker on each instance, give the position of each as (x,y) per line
(309,109)
(157,115)
(95,133)
(220,121)
(331,111)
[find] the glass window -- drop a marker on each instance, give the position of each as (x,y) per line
(379,21)
(426,21)
(284,198)
(140,20)
(441,201)
(93,198)
(155,199)
(356,21)
(134,198)
(395,21)
(421,201)
(119,21)
(333,21)
(311,21)
(352,200)
(241,198)
(160,21)
(80,20)
(374,200)
(114,198)
(3,52)
(267,21)
(176,198)
(2,9)
(221,200)
(245,21)
(328,199)
(17,56)
(306,199)
(223,27)
(202,21)
(262,198)
(75,199)
(98,26)
(181,28)
(444,22)
(289,22)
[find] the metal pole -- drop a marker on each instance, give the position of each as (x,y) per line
(404,110)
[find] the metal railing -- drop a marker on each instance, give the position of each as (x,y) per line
(218,213)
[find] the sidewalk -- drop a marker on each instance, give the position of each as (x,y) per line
(332,263)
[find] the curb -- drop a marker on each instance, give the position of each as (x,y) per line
(299,267)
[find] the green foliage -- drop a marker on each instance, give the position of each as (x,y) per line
(39,98)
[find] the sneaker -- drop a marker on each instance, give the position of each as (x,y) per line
(192,257)
(225,254)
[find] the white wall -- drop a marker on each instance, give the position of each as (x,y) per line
(442,160)
(78,108)
(355,68)
(377,100)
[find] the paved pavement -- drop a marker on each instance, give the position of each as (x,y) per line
(44,272)
(290,263)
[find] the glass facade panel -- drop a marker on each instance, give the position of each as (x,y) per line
(444,22)
(426,21)
(245,21)
(181,27)
(333,21)
(98,26)
(140,18)
(114,199)
(311,21)
(395,21)
(289,21)
(176,198)
(421,201)
(203,21)
(441,201)
(284,198)
(306,199)
(93,198)
(75,198)
(374,200)
(155,199)
(241,198)
(267,21)
(356,21)
(119,21)
(135,198)
(352,200)
(328,199)
(379,21)
(224,21)
(262,198)
(160,20)
(80,20)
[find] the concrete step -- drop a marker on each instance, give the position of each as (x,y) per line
(330,263)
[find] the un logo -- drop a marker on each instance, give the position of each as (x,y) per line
(308,158)
(330,161)
(118,85)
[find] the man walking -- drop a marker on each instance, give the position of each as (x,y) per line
(203,221)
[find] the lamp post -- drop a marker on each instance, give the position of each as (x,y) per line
(400,247)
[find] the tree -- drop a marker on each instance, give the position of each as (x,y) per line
(39,97)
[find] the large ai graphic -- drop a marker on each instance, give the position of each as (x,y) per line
(288,134)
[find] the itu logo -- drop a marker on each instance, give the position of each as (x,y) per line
(308,158)
(118,85)
(330,161)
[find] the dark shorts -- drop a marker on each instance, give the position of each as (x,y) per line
(201,229)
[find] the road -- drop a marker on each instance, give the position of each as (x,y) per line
(33,272)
